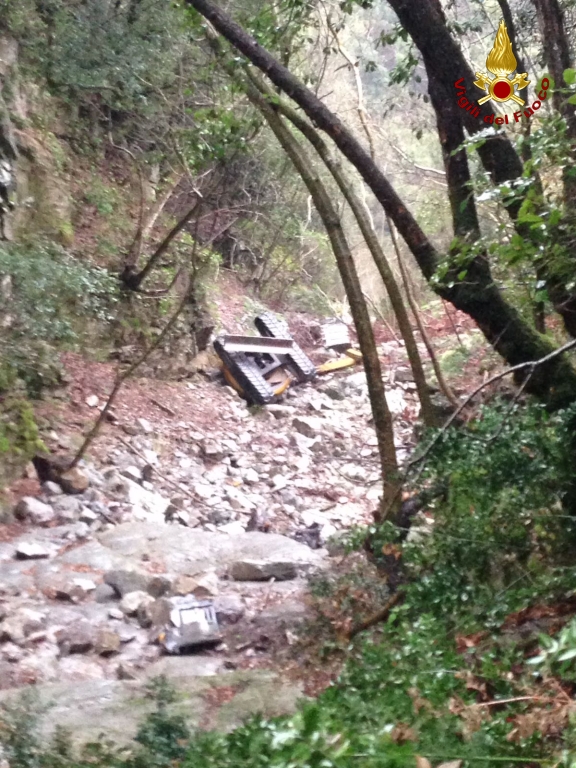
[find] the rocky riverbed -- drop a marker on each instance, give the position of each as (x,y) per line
(238,511)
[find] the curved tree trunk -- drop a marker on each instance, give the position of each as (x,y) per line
(365,226)
(425,22)
(442,383)
(133,279)
(345,261)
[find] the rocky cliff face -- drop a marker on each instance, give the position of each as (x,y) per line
(34,190)
(8,146)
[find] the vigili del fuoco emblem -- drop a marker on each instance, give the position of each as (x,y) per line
(501,62)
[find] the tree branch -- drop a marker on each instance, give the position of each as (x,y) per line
(121,378)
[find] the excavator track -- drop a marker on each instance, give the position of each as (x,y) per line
(297,362)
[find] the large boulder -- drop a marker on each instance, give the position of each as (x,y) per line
(115,709)
(77,638)
(31,550)
(191,551)
(124,581)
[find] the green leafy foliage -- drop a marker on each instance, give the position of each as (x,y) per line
(120,51)
(18,429)
(19,436)
(50,296)
(500,518)
(558,654)
(50,290)
(163,736)
(19,732)
(101,196)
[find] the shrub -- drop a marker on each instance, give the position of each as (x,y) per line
(51,290)
(499,522)
(19,436)
(49,296)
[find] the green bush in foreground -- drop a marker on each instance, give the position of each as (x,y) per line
(49,297)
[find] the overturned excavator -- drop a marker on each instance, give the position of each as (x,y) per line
(261,368)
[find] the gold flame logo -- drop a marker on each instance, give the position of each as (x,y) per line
(501,62)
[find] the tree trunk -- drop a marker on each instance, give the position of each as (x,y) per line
(478,296)
(558,58)
(425,22)
(442,383)
(509,21)
(556,51)
(371,240)
(365,223)
(133,279)
(345,261)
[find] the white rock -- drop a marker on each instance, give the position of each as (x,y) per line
(281,411)
(150,456)
(301,442)
(216,475)
(86,584)
(216,501)
(311,516)
(12,653)
(92,401)
(279,482)
(132,601)
(251,476)
(355,472)
(301,463)
(88,516)
(145,426)
(151,502)
(205,585)
(81,531)
(327,531)
(51,489)
(357,383)
(243,461)
(133,473)
(203,490)
(234,528)
(211,449)
(396,402)
(34,510)
(309,426)
(31,550)
(238,500)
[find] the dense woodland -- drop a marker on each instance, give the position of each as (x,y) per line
(323,159)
